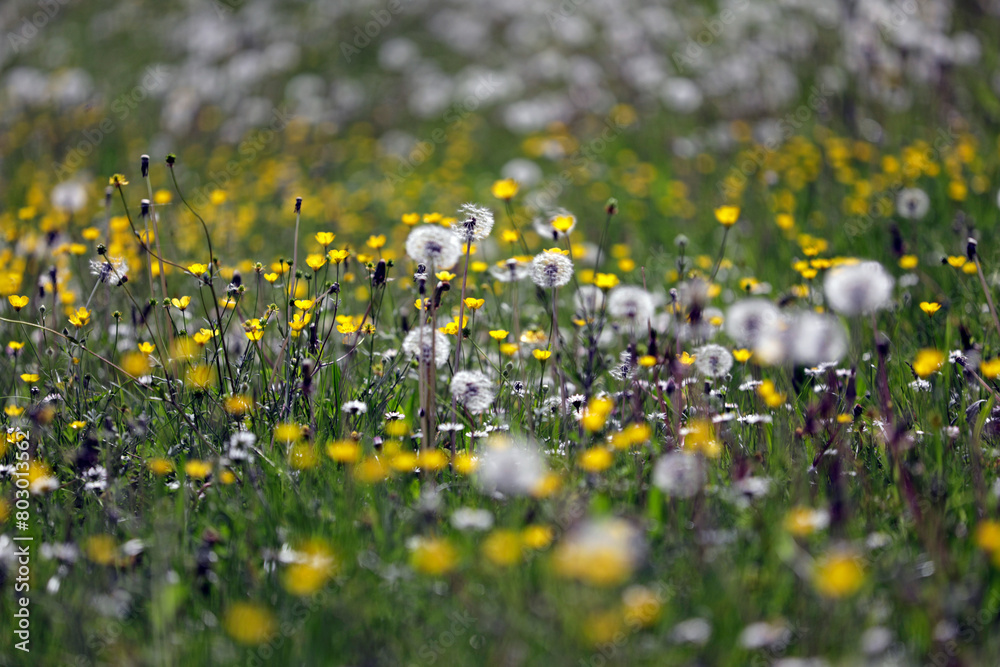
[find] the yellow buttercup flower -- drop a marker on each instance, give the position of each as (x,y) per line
(197,469)
(839,575)
(181,303)
(930,307)
(200,377)
(315,262)
(742,355)
(727,215)
(505,189)
(928,362)
(606,281)
(338,256)
(433,556)
(563,223)
(772,397)
(596,459)
(146,347)
(324,238)
(18,302)
(990,368)
(541,355)
(80,318)
(249,623)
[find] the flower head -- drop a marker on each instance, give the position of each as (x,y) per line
(713,360)
(858,289)
(428,345)
(510,270)
(912,203)
(551,269)
(511,467)
(555,225)
(631,304)
(505,189)
(434,246)
(750,320)
(474,223)
(112,270)
(679,474)
(473,390)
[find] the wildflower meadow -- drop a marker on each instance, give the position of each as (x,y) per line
(463,333)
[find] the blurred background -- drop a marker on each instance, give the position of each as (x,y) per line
(372,109)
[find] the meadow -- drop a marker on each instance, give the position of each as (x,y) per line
(475,334)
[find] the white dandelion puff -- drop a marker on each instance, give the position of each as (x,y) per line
(428,345)
(713,360)
(679,475)
(632,305)
(510,270)
(112,270)
(751,319)
(511,467)
(817,339)
(912,203)
(858,289)
(589,299)
(69,196)
(473,390)
(551,269)
(474,223)
(434,246)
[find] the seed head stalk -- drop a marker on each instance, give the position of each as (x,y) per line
(211,265)
(156,239)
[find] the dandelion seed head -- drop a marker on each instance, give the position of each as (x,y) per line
(433,245)
(510,270)
(858,289)
(511,466)
(474,223)
(69,196)
(713,361)
(418,343)
(551,269)
(589,299)
(912,203)
(113,270)
(473,390)
(632,305)
(749,320)
(679,474)
(817,339)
